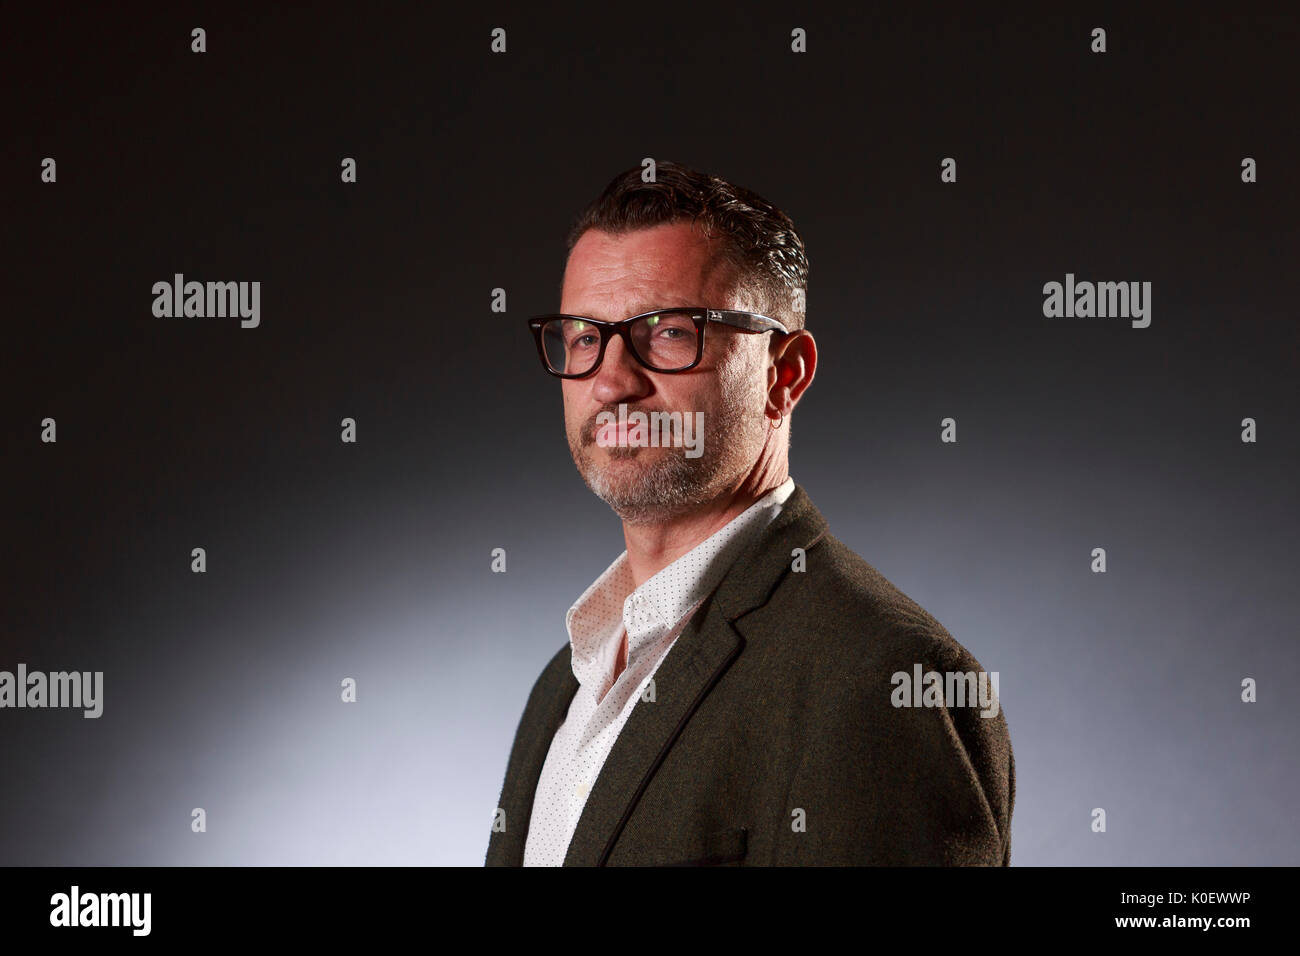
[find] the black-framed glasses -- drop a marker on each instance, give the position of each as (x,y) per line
(665,340)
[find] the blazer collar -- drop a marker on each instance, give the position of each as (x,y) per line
(753,578)
(694,664)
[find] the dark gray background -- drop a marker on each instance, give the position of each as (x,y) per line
(371,560)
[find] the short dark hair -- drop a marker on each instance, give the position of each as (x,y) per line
(757,239)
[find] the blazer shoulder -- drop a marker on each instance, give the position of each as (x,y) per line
(861,610)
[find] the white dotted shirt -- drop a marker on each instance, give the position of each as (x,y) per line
(652,615)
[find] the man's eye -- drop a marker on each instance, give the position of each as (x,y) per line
(584,341)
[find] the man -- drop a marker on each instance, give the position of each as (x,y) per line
(731,691)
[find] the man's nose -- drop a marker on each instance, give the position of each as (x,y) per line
(620,376)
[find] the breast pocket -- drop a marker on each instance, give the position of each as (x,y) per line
(714,849)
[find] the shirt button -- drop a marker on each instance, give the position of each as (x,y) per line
(581,790)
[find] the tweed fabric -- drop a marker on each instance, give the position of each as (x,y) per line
(773,738)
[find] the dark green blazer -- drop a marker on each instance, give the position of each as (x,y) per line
(773,738)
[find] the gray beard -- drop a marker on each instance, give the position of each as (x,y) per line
(672,484)
(657,492)
(669,486)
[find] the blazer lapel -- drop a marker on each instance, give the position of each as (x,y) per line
(698,658)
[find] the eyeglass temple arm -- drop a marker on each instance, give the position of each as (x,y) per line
(745,320)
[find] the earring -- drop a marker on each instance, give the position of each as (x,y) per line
(779,422)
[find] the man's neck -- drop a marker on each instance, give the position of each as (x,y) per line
(652,547)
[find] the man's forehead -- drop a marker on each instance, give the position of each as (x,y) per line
(645,270)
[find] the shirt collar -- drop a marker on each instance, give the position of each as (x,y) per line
(598,618)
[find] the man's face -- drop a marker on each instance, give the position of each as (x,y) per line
(613,277)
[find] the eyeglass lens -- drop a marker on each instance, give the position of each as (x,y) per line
(663,341)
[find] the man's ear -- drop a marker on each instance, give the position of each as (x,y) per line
(794,362)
